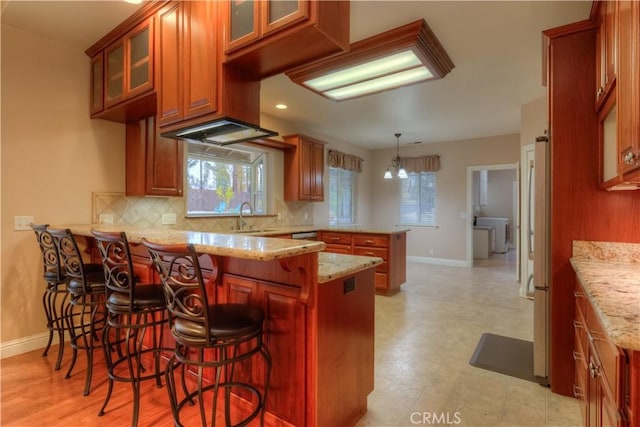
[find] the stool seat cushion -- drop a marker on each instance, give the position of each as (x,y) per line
(147,296)
(95,284)
(226,321)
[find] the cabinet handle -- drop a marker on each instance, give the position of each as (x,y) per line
(369,253)
(577,355)
(577,324)
(578,294)
(335,239)
(577,392)
(599,92)
(593,370)
(368,241)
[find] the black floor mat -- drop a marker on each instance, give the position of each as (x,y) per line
(509,356)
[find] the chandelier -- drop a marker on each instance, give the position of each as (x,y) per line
(396,163)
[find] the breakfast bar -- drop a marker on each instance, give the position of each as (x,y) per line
(319,309)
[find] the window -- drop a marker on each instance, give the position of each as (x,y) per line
(342,193)
(219,180)
(418,199)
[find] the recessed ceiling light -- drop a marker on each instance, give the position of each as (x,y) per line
(281,106)
(133,1)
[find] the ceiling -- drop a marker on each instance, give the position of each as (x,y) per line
(495,46)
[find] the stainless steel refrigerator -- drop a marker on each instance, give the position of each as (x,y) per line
(540,246)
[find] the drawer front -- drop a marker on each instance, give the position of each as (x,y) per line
(381,281)
(336,238)
(338,249)
(377,240)
(377,252)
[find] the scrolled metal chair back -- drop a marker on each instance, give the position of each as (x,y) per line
(118,267)
(184,290)
(70,255)
(53,270)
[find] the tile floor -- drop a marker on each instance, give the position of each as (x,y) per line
(425,336)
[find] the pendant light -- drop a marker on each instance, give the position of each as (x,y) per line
(396,163)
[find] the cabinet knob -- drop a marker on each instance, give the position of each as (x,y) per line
(599,92)
(629,158)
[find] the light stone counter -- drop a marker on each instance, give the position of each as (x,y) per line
(610,275)
(330,266)
(232,245)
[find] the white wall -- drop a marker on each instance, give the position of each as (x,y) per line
(446,242)
(53,157)
(321,209)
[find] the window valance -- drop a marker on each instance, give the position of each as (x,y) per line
(346,161)
(421,164)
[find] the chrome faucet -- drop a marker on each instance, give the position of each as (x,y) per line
(241,224)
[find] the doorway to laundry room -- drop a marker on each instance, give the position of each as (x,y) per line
(493,215)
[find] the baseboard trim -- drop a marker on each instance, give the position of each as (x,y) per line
(24,345)
(437,261)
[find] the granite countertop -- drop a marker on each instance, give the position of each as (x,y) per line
(610,275)
(332,266)
(307,228)
(235,245)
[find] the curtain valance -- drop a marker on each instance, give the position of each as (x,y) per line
(346,161)
(421,164)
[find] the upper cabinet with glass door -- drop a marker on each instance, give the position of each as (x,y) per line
(129,65)
(269,37)
(122,71)
(618,93)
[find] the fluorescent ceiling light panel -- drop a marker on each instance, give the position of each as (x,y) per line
(382,83)
(403,56)
(369,70)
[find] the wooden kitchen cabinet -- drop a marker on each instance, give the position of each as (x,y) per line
(269,37)
(285,337)
(303,169)
(618,92)
(392,248)
(154,164)
(606,57)
(186,41)
(122,69)
(122,75)
(600,368)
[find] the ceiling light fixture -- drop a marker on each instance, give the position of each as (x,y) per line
(403,56)
(281,106)
(396,163)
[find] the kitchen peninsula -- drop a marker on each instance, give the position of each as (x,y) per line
(319,308)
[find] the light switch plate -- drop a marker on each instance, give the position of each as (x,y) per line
(168,218)
(21,223)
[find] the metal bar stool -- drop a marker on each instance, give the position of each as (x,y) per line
(215,336)
(85,312)
(134,311)
(55,296)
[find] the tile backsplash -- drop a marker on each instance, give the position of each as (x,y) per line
(116,208)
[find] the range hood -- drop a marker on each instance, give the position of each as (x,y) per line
(222,131)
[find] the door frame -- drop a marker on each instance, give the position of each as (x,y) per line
(469,213)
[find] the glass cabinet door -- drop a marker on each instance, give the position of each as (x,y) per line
(278,14)
(243,23)
(139,67)
(115,74)
(97,83)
